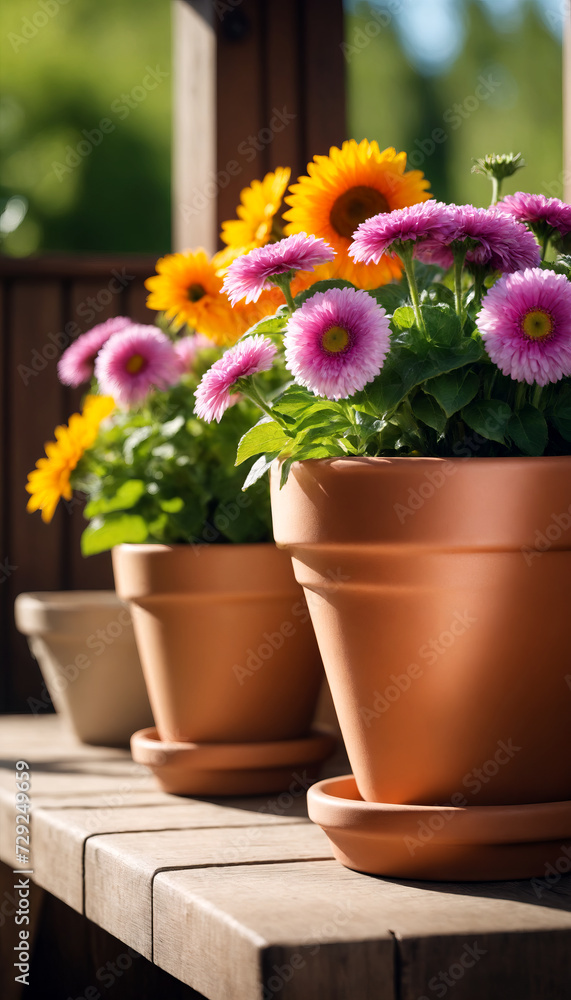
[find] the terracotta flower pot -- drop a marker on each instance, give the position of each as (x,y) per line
(83,642)
(440,594)
(226,644)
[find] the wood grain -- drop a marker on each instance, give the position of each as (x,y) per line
(120,868)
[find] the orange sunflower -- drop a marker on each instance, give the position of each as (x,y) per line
(50,480)
(342,190)
(188,289)
(259,205)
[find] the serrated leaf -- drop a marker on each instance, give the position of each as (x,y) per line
(265,436)
(488,417)
(528,430)
(453,390)
(403,318)
(443,327)
(128,494)
(426,408)
(116,529)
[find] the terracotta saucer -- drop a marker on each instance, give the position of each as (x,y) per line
(442,842)
(230,768)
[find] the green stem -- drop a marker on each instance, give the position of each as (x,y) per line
(247,388)
(536,397)
(544,247)
(283,283)
(520,395)
(405,253)
(459,258)
(479,279)
(496,185)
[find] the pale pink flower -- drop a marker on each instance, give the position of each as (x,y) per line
(525,323)
(496,241)
(337,342)
(249,275)
(536,210)
(427,220)
(247,357)
(187,349)
(77,362)
(134,362)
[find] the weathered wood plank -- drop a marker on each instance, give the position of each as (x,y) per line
(60,836)
(120,868)
(293,930)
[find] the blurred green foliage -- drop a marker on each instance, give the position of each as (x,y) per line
(502,93)
(65,68)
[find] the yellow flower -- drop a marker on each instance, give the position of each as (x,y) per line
(188,289)
(50,480)
(342,190)
(259,204)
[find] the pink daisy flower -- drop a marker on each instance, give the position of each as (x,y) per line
(249,275)
(427,220)
(525,323)
(77,363)
(537,211)
(187,348)
(337,342)
(502,244)
(135,361)
(248,357)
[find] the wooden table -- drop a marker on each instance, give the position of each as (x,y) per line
(242,900)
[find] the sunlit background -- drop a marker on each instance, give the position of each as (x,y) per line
(85,112)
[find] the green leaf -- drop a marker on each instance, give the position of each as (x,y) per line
(172,427)
(137,437)
(265,436)
(404,369)
(528,430)
(269,325)
(488,417)
(403,317)
(426,408)
(426,274)
(105,532)
(390,297)
(259,469)
(172,506)
(453,390)
(443,327)
(128,494)
(320,286)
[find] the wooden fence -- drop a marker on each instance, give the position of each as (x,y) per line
(45,304)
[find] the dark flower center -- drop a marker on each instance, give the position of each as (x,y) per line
(135,364)
(196,292)
(336,340)
(354,206)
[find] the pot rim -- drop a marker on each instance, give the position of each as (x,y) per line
(371,461)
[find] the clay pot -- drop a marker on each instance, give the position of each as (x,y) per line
(440,594)
(83,642)
(226,644)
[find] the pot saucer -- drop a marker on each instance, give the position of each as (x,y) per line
(230,768)
(442,842)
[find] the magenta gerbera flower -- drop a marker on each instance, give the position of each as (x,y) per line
(187,348)
(248,357)
(525,323)
(496,241)
(249,275)
(337,342)
(427,220)
(77,363)
(135,361)
(537,211)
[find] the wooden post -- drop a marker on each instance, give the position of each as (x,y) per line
(258,84)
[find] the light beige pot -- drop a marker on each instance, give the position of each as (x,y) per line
(83,642)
